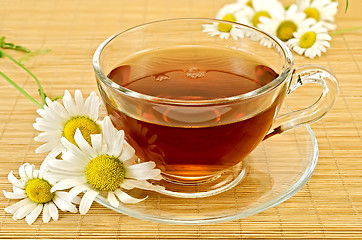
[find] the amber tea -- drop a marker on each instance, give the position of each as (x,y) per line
(175,140)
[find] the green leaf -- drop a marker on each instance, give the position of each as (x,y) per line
(2,40)
(6,45)
(341,31)
(57,97)
(346,6)
(32,54)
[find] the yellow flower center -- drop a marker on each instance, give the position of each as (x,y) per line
(105,173)
(86,126)
(257,15)
(312,13)
(286,29)
(38,190)
(307,40)
(224,27)
(249,3)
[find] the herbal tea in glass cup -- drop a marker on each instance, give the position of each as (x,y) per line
(197,104)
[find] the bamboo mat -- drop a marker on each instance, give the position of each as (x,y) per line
(328,206)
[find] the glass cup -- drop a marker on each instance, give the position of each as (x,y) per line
(158,83)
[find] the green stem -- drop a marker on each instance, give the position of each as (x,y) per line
(21,90)
(56,98)
(345,10)
(345,30)
(41,91)
(12,46)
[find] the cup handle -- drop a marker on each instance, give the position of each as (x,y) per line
(304,75)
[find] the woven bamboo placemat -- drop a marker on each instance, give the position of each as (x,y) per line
(328,206)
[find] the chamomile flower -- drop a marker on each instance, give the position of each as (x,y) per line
(284,23)
(322,11)
(259,8)
(107,165)
(244,2)
(229,13)
(310,41)
(59,121)
(34,190)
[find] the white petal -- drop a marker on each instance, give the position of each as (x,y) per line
(29,171)
(143,165)
(63,204)
(315,51)
(325,44)
(128,184)
(131,161)
(125,198)
(112,199)
(47,125)
(46,147)
(78,157)
(76,200)
(144,174)
(83,144)
(15,181)
(62,194)
(53,211)
(324,37)
(58,176)
(69,103)
(36,173)
(117,145)
(78,154)
(48,102)
(18,190)
(59,204)
(92,105)
(13,208)
(310,53)
(113,139)
(293,42)
(224,35)
(22,173)
(34,214)
(87,201)
(25,210)
(12,195)
(329,26)
(67,166)
(142,184)
(46,136)
(41,111)
(299,50)
(44,166)
(57,113)
(68,183)
(46,214)
(236,33)
(96,140)
(76,190)
(44,113)
(127,153)
(143,171)
(79,102)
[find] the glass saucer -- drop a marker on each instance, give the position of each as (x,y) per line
(276,170)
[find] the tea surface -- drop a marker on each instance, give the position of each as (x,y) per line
(191,73)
